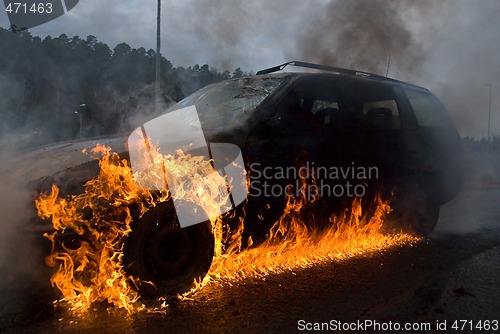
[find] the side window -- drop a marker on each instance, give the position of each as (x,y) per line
(319,105)
(382,115)
(328,114)
(379,108)
(428,110)
(294,115)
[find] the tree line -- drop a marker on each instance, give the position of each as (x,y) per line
(473,145)
(48,86)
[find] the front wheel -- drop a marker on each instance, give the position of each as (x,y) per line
(160,252)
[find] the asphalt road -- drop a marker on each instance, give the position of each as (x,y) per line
(453,275)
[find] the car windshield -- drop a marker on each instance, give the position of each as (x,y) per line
(230,103)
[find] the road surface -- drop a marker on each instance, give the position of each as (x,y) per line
(452,275)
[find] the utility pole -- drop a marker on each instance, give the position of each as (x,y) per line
(157,83)
(80,114)
(81,123)
(489,118)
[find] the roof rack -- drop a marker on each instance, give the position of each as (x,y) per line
(323,68)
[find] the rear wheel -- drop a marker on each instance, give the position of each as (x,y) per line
(423,219)
(159,251)
(416,214)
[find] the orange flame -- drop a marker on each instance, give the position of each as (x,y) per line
(291,244)
(92,270)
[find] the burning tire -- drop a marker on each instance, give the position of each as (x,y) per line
(159,251)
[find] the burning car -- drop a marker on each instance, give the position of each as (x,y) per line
(324,138)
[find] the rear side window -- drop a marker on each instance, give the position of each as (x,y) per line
(377,106)
(382,112)
(427,108)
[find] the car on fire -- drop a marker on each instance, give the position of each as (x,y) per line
(342,133)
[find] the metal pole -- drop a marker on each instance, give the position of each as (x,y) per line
(81,121)
(489,118)
(157,83)
(81,124)
(82,107)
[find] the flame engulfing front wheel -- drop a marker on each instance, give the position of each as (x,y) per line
(164,256)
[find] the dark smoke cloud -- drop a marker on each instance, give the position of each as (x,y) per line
(361,35)
(449,46)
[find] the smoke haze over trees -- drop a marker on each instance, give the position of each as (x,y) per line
(47,85)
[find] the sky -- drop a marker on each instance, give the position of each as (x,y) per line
(451,47)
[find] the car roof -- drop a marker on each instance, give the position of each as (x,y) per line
(323,70)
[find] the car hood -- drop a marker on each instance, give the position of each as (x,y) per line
(49,160)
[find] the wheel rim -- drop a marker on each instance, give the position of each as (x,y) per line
(168,251)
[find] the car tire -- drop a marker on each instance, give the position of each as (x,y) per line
(161,252)
(416,214)
(424,219)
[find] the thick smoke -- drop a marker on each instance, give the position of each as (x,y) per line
(16,206)
(362,35)
(24,285)
(449,46)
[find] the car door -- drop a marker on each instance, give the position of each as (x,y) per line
(283,144)
(375,114)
